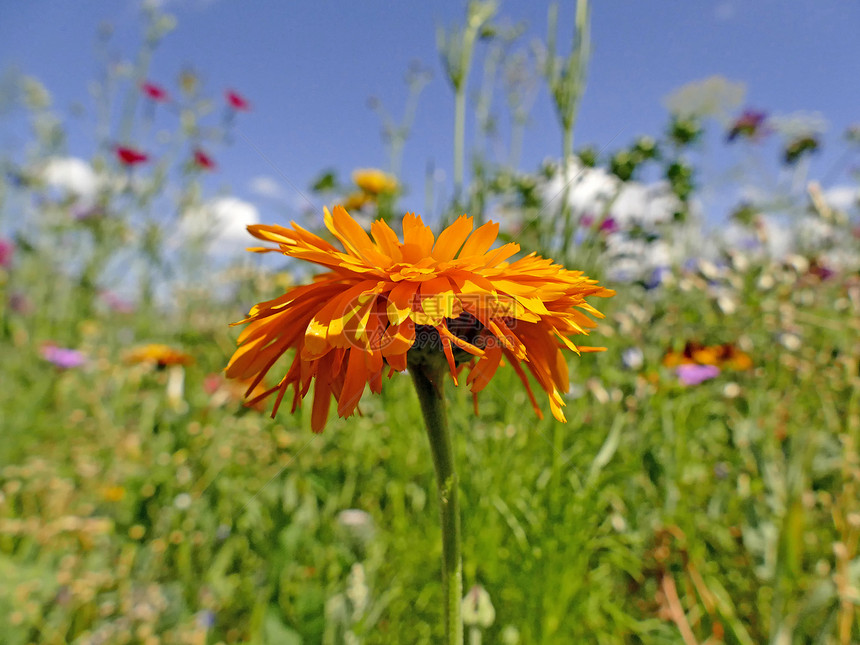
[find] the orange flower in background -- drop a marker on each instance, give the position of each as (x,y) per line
(374,182)
(159,355)
(382,298)
(725,356)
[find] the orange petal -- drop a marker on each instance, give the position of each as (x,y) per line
(481,240)
(452,238)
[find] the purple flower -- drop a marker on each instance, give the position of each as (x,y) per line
(62,357)
(696,374)
(7,249)
(750,124)
(609,225)
(205,618)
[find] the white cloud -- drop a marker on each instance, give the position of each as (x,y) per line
(72,176)
(266,186)
(221,224)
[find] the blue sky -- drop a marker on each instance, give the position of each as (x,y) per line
(309,69)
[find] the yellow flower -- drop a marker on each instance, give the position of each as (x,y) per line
(357,200)
(158,354)
(382,299)
(374,182)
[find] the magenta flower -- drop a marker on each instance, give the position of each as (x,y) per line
(7,250)
(609,225)
(203,160)
(155,92)
(692,374)
(62,357)
(237,101)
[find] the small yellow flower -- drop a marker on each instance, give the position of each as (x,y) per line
(374,182)
(113,493)
(357,200)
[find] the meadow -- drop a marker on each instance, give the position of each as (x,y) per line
(704,489)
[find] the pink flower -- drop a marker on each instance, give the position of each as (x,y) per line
(203,160)
(155,92)
(7,250)
(237,101)
(694,374)
(129,156)
(117,304)
(62,357)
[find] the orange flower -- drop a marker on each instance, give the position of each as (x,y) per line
(382,299)
(158,354)
(723,356)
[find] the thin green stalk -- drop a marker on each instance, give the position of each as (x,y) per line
(566,210)
(427,376)
(459,140)
(474,636)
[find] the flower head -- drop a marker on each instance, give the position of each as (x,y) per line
(236,101)
(374,182)
(383,303)
(7,251)
(726,356)
(154,92)
(750,125)
(62,357)
(696,374)
(203,160)
(129,156)
(159,355)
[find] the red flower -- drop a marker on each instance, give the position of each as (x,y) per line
(155,92)
(129,156)
(237,101)
(202,160)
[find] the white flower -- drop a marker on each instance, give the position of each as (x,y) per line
(477,608)
(644,204)
(633,358)
(799,124)
(595,192)
(715,96)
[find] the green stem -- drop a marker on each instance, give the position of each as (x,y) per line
(566,211)
(474,636)
(459,140)
(428,379)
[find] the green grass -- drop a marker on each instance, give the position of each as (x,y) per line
(125,517)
